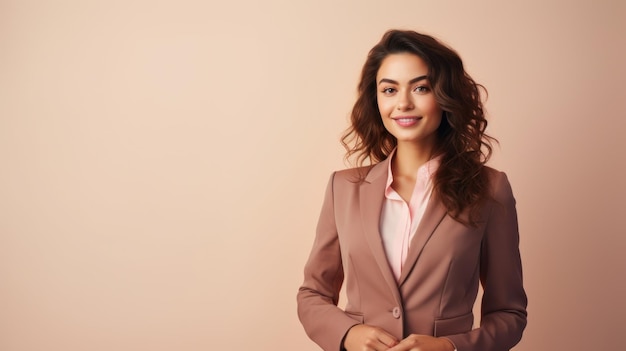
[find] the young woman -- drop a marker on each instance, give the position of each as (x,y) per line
(415,231)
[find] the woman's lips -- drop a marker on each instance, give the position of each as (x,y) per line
(407,121)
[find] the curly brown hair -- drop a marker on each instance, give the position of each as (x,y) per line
(462,180)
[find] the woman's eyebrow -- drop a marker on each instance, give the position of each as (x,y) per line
(391,81)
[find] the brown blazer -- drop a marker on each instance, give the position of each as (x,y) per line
(439,283)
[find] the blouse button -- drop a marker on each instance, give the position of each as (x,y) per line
(396,312)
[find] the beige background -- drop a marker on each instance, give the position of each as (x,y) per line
(162,163)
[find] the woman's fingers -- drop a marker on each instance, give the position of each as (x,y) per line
(364,337)
(423,343)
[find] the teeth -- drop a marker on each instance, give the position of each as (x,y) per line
(406,120)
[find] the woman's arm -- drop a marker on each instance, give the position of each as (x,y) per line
(317,298)
(503,312)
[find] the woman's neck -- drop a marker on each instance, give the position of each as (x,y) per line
(409,158)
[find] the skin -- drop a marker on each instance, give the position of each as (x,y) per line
(411,114)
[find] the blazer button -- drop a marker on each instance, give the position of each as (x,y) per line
(396,312)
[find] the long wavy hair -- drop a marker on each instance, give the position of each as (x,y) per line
(461,180)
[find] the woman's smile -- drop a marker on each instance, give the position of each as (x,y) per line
(407,121)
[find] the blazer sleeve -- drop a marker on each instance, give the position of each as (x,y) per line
(503,312)
(317,298)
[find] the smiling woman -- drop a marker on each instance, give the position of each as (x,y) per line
(415,232)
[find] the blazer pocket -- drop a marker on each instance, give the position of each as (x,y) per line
(454,325)
(356,316)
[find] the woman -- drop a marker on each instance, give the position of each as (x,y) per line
(415,232)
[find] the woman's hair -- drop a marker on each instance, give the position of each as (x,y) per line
(461,180)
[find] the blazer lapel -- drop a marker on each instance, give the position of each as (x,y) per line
(433,215)
(371,196)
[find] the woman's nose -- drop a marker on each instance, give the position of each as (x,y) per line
(404,103)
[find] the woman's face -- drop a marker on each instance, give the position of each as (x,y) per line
(405,100)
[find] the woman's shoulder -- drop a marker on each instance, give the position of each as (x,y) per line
(499,185)
(350,173)
(358,175)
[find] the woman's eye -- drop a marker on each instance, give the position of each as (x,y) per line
(422,89)
(389,90)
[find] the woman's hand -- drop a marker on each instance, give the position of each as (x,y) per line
(364,337)
(416,342)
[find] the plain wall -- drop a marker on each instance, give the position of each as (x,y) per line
(162,163)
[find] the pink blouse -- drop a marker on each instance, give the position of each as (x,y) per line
(399,220)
